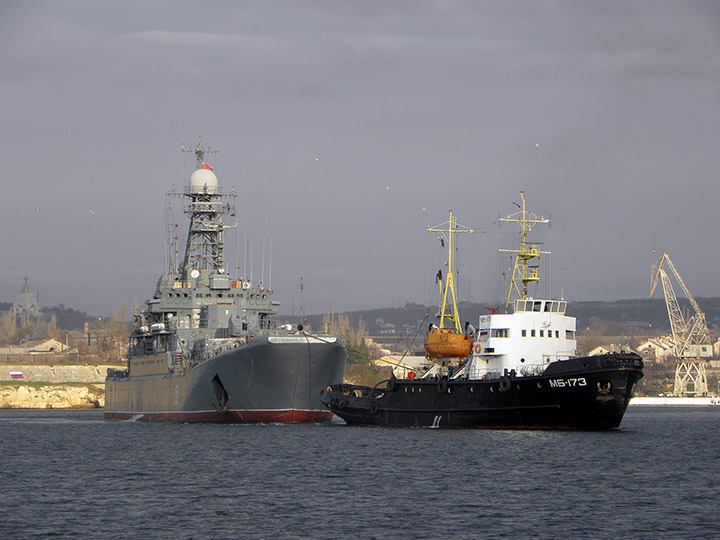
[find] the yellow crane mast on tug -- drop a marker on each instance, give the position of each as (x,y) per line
(443,342)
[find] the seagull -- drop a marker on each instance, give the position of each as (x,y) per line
(93,213)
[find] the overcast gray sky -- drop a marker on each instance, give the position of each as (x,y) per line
(348,128)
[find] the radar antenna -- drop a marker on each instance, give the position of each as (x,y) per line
(199,152)
(205,206)
(523,272)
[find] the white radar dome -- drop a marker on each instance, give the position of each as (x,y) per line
(201,178)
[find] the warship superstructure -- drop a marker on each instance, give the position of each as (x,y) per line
(522,370)
(206,346)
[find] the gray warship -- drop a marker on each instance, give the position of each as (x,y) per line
(205,348)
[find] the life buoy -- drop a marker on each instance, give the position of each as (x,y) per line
(411,375)
(329,388)
(505,383)
(477,348)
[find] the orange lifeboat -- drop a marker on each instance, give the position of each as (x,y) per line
(446,343)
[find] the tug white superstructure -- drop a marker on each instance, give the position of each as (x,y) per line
(523,342)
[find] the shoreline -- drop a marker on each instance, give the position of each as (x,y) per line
(676,401)
(52,396)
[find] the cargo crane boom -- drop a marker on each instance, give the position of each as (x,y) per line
(691,338)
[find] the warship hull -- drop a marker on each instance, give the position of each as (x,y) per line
(272,379)
(589,393)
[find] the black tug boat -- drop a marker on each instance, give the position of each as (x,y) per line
(522,372)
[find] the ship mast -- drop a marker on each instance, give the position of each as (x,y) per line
(523,272)
(204,249)
(199,152)
(448,234)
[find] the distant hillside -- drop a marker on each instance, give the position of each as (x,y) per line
(640,313)
(406,320)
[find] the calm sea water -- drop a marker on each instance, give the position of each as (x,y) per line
(73,475)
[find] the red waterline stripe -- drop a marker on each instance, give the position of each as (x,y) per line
(227,417)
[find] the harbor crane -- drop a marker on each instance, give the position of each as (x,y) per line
(691,338)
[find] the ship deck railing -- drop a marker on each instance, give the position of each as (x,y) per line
(532,370)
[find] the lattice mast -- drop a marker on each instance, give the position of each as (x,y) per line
(450,230)
(204,249)
(523,272)
(691,338)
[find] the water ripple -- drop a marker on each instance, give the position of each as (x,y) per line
(72,475)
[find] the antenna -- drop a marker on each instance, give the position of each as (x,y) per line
(448,234)
(528,251)
(262,263)
(199,152)
(301,311)
(237,254)
(171,229)
(245,259)
(205,247)
(270,272)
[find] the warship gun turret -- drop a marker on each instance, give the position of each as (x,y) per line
(207,348)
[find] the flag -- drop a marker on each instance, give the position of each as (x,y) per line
(206,166)
(15,375)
